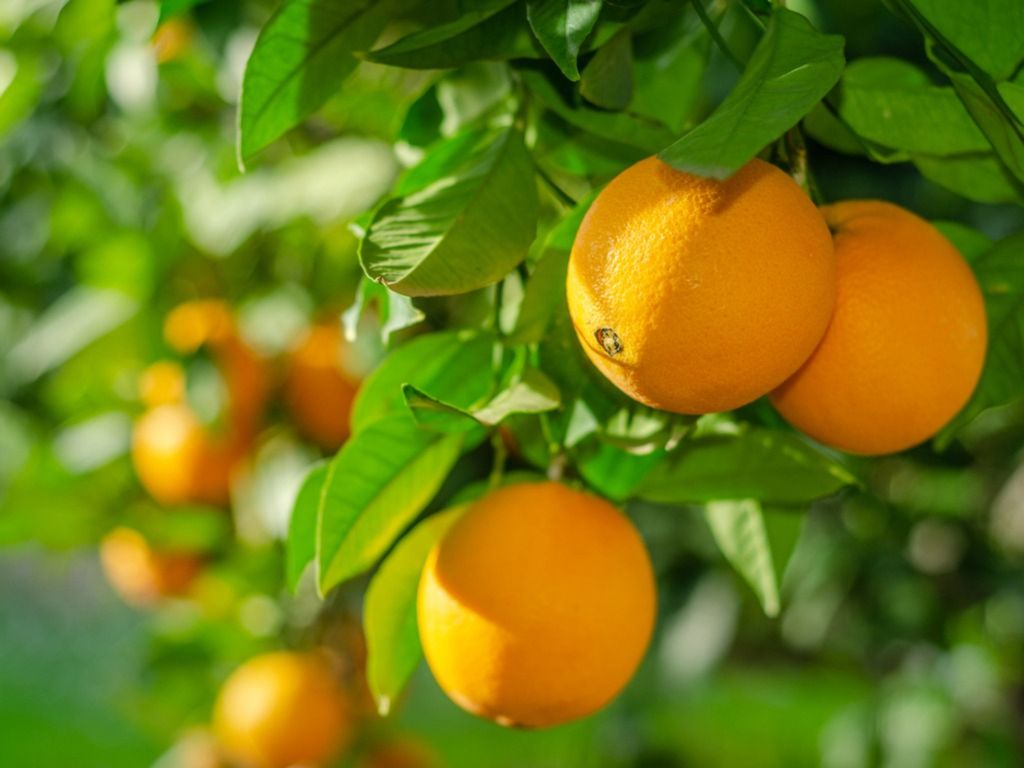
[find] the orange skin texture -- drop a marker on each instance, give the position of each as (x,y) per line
(907,342)
(282,709)
(537,605)
(317,389)
(178,459)
(141,575)
(717,290)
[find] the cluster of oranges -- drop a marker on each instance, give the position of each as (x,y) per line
(181,459)
(860,320)
(278,709)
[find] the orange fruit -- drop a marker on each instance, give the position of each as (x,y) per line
(179,462)
(178,459)
(537,605)
(907,342)
(162,383)
(695,295)
(282,709)
(208,323)
(318,391)
(141,575)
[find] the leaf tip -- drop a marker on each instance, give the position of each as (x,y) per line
(383,706)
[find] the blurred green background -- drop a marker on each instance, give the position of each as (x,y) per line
(901,641)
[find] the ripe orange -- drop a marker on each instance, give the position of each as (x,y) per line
(208,323)
(537,605)
(141,575)
(318,390)
(177,458)
(179,462)
(696,295)
(162,383)
(282,709)
(907,342)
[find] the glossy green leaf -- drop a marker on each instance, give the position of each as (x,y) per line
(531,392)
(607,80)
(301,57)
(455,365)
(612,471)
(772,467)
(459,233)
(739,530)
(621,127)
(561,26)
(302,527)
(986,31)
(488,30)
(978,177)
(378,483)
(791,69)
(891,102)
(389,613)
(668,72)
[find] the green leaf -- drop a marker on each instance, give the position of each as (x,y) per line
(611,471)
(1000,273)
(301,548)
(986,31)
(978,177)
(301,57)
(891,102)
(378,483)
(608,79)
(739,530)
(668,72)
(389,614)
(460,232)
(490,30)
(971,243)
(975,87)
(395,312)
(772,467)
(561,26)
(621,127)
(784,528)
(532,392)
(791,69)
(455,365)
(544,295)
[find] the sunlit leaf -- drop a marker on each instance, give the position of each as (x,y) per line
(561,26)
(378,483)
(459,232)
(791,69)
(389,615)
(301,57)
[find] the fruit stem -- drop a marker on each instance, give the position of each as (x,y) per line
(706,20)
(500,456)
(796,156)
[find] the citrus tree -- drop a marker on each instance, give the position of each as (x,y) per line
(499,326)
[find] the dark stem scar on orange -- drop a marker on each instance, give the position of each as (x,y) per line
(609,341)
